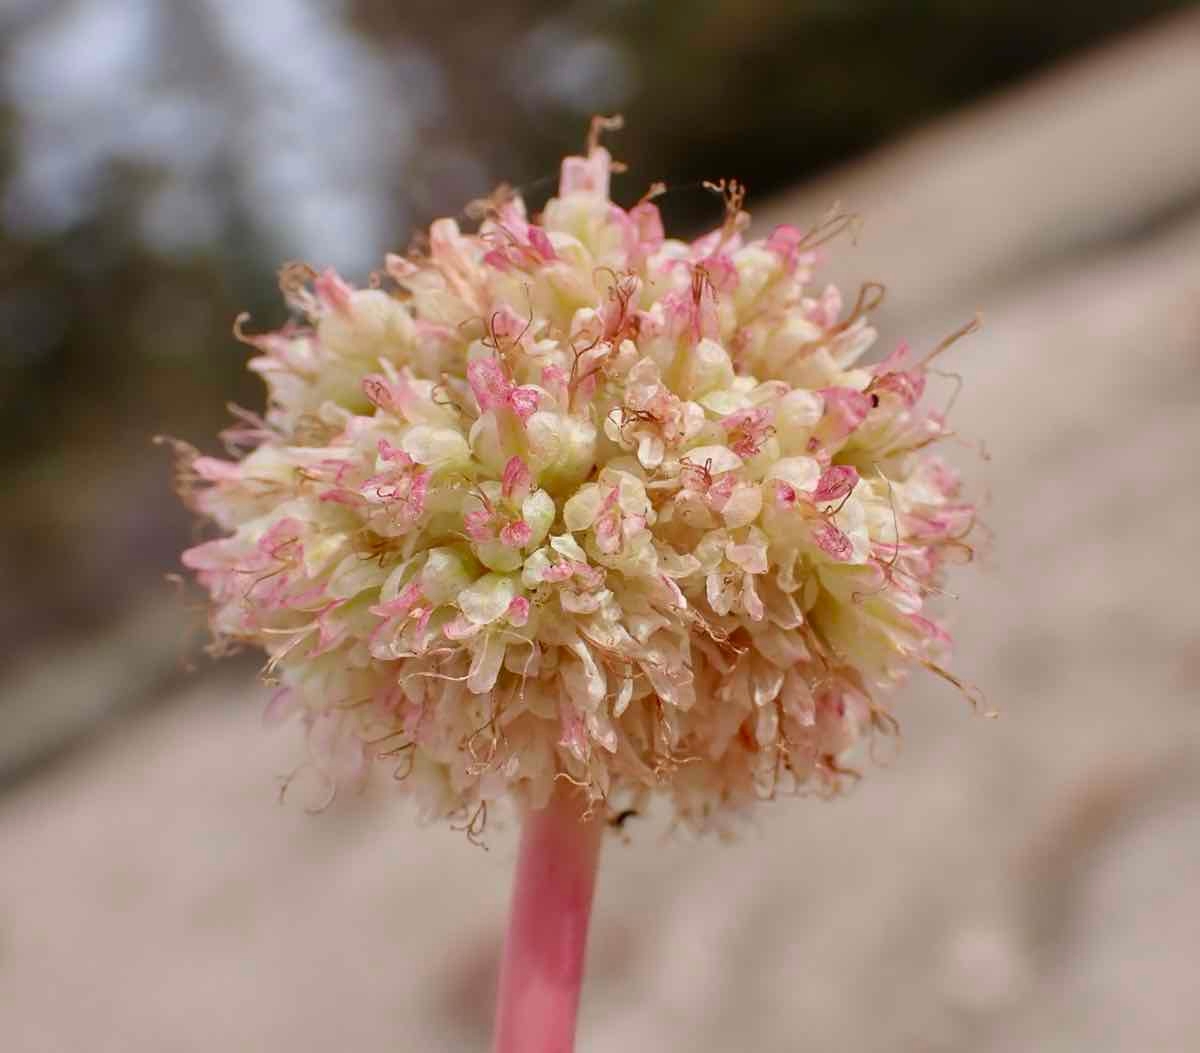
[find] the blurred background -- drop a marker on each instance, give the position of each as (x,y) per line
(1027,883)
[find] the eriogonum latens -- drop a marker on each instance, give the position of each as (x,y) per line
(565,498)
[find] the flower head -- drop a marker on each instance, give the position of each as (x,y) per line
(569,499)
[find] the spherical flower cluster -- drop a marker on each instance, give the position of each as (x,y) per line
(567,499)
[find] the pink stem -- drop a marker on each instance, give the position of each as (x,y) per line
(542,970)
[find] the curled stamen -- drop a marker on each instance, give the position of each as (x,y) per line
(475,825)
(870,297)
(599,126)
(832,226)
(970,327)
(734,194)
(653,191)
(958,386)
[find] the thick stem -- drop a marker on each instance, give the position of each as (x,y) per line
(542,970)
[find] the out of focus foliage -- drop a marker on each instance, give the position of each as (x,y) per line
(158,158)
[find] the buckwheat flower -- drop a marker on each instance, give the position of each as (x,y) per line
(566,512)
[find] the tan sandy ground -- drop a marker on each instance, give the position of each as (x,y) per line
(1025,883)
